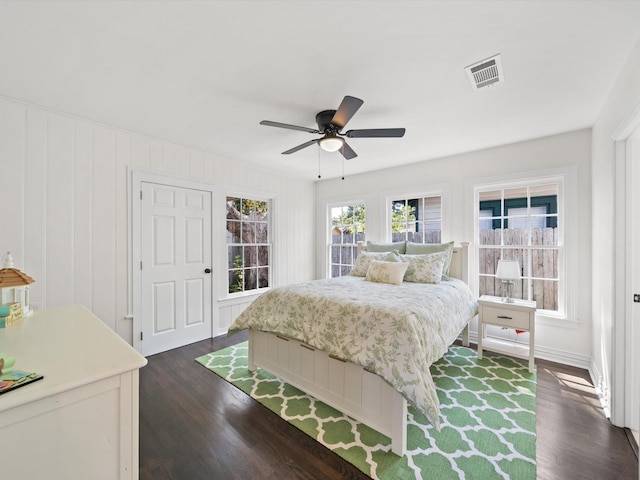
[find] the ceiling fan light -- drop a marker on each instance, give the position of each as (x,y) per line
(331,144)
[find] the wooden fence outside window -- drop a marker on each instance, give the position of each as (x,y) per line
(543,253)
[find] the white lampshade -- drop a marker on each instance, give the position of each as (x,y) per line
(508,270)
(331,144)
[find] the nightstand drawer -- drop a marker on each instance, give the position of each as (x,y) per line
(505,318)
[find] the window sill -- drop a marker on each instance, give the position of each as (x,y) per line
(556,321)
(242,297)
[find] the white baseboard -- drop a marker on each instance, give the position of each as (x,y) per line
(551,354)
(562,356)
(602,389)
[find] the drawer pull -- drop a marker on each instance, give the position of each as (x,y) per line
(338,358)
(282,338)
(307,347)
(505,317)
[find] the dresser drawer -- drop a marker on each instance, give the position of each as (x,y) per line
(505,318)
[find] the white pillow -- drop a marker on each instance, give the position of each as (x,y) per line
(425,268)
(386,272)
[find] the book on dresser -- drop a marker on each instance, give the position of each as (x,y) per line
(16,379)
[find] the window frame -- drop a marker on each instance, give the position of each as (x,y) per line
(566,179)
(269,244)
(329,227)
(406,195)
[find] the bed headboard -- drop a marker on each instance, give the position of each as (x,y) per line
(459,261)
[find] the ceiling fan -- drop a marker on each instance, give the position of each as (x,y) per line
(330,125)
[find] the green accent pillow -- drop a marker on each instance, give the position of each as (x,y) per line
(393,257)
(424,268)
(424,248)
(386,247)
(386,272)
(363,261)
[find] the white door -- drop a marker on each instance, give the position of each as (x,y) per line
(175,267)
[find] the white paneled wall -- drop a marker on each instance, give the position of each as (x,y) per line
(64,209)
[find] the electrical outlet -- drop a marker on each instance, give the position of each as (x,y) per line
(636,297)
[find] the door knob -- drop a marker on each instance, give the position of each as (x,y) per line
(207,270)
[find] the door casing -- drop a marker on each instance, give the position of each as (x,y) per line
(625,378)
(136,177)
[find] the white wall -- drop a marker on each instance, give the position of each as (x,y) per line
(623,100)
(570,341)
(63,184)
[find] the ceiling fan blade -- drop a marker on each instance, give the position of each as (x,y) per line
(347,152)
(300,147)
(346,110)
(375,132)
(269,123)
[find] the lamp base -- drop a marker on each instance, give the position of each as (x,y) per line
(506,291)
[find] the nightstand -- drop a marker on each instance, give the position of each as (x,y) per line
(520,314)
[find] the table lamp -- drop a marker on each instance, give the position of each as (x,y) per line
(508,271)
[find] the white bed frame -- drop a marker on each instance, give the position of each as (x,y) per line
(343,385)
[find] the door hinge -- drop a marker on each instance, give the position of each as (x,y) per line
(140,194)
(140,265)
(141,336)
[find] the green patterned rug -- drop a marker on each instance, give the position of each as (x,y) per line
(487,419)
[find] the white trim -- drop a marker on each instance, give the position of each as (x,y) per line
(619,289)
(422,190)
(135,178)
(563,357)
(601,387)
(220,218)
(556,355)
(326,237)
(240,299)
(629,125)
(629,278)
(619,395)
(566,178)
(436,190)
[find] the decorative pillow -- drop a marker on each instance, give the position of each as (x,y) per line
(393,257)
(424,248)
(401,247)
(386,272)
(362,262)
(425,268)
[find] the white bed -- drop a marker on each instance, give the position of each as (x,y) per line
(343,376)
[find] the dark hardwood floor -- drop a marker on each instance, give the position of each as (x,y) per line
(194,425)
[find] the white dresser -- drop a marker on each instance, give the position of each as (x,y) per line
(81,420)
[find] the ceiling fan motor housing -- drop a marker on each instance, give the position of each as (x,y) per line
(323,119)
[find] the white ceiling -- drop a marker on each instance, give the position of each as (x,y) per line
(203,74)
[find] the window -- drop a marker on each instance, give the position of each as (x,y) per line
(248,244)
(347,229)
(417,220)
(521,222)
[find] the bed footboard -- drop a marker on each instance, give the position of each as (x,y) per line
(343,385)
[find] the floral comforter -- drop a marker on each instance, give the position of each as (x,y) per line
(396,331)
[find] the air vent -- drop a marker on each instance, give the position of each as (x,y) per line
(485,73)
